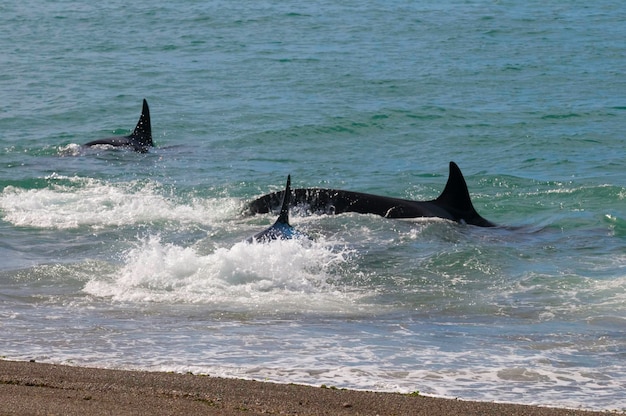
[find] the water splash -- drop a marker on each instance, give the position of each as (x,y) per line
(72,202)
(284,276)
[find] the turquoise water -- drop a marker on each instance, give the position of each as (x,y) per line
(122,260)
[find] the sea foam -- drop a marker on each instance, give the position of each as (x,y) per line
(77,202)
(283,276)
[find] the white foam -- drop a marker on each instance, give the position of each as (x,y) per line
(94,203)
(359,356)
(282,276)
(72,149)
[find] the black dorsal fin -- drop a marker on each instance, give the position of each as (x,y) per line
(456,194)
(456,199)
(143,130)
(284,209)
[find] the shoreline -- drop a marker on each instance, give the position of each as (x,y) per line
(41,389)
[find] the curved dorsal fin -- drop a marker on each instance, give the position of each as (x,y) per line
(280,230)
(456,199)
(456,194)
(143,130)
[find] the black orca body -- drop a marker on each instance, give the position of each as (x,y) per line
(280,230)
(140,140)
(453,204)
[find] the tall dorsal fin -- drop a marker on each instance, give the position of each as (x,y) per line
(283,218)
(455,194)
(456,199)
(143,130)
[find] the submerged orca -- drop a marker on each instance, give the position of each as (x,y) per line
(454,203)
(280,230)
(140,140)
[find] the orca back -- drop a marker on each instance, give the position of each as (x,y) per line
(140,140)
(454,203)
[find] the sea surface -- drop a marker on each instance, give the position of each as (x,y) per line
(116,259)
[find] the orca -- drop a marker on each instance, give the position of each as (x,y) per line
(140,140)
(453,204)
(281,229)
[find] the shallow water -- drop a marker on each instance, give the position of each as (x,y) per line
(124,260)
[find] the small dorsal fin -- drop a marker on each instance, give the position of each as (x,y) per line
(283,218)
(280,230)
(143,130)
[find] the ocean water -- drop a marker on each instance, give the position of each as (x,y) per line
(114,259)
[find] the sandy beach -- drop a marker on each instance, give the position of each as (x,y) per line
(28,388)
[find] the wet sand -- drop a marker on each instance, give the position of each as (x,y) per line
(28,388)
